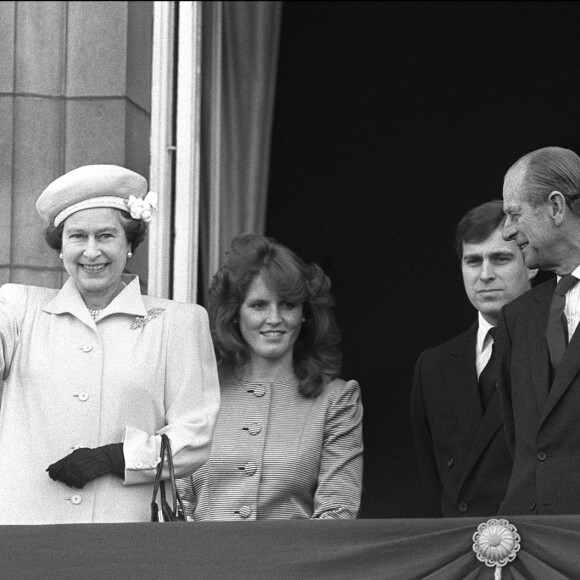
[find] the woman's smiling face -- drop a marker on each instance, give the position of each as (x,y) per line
(269,324)
(94,250)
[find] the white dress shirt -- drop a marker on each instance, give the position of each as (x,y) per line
(483,344)
(572,308)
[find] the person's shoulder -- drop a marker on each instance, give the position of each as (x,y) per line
(340,395)
(188,309)
(455,343)
(339,387)
(536,294)
(11,293)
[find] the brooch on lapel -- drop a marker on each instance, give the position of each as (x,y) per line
(143,320)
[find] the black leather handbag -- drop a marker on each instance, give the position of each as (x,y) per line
(163,512)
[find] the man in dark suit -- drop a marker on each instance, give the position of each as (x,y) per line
(461,447)
(539,376)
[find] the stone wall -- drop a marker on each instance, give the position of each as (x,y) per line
(75,84)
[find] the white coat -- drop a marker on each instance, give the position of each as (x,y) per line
(146,367)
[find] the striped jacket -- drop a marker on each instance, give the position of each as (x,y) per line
(278,454)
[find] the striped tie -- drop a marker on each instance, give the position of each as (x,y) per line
(556,330)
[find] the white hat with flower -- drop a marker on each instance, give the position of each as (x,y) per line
(93,186)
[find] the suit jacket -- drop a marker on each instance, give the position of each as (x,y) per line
(462,454)
(542,422)
(279,455)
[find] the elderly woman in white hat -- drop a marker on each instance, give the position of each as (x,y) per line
(96,372)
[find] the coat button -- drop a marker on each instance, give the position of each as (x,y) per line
(76,499)
(253,429)
(138,464)
(542,456)
(77,446)
(259,391)
(450,462)
(532,506)
(245,512)
(87,348)
(463,507)
(83,396)
(250,468)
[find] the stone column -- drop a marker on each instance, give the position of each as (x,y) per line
(74,90)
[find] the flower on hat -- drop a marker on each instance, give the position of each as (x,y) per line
(142,208)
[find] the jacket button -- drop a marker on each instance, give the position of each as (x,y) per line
(83,397)
(462,507)
(450,462)
(542,456)
(87,348)
(76,499)
(250,468)
(253,429)
(532,506)
(259,391)
(245,512)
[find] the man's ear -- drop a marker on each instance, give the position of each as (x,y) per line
(557,206)
(532,273)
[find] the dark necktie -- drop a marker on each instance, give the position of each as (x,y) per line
(488,375)
(557,328)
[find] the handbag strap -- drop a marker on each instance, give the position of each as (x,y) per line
(159,472)
(177,501)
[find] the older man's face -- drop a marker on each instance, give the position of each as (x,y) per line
(531,228)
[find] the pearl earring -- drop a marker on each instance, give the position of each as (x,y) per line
(129,254)
(60,255)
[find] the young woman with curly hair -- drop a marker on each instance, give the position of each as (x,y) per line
(288,442)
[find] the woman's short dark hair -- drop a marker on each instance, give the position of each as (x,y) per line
(478,224)
(135,231)
(317,355)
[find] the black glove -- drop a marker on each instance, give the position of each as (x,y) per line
(84,465)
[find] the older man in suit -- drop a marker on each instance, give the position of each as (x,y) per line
(461,447)
(539,377)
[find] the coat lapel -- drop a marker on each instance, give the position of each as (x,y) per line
(488,427)
(461,382)
(569,368)
(129,301)
(69,300)
(539,356)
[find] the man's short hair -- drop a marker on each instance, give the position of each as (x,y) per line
(550,169)
(478,224)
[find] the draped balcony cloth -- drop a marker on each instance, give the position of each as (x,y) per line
(405,549)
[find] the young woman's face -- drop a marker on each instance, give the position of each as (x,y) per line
(269,324)
(94,250)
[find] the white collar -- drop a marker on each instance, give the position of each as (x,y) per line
(575,273)
(128,301)
(482,330)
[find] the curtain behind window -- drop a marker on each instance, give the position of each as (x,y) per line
(240,54)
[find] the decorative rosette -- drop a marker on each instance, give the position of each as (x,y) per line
(142,208)
(496,543)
